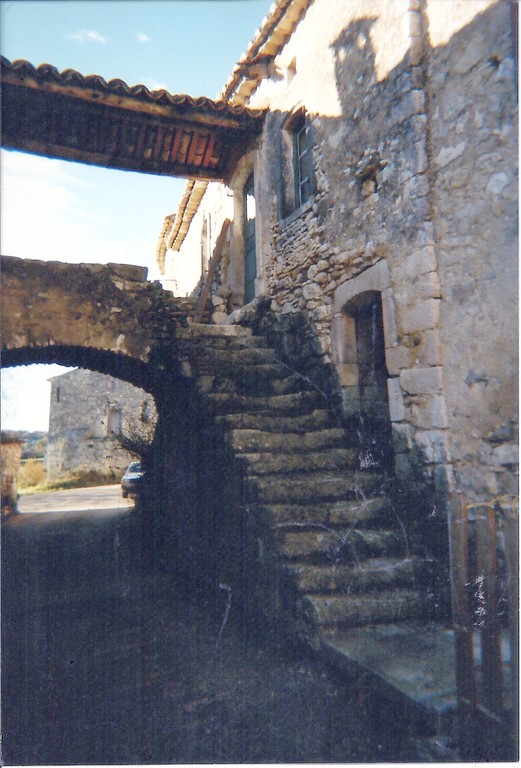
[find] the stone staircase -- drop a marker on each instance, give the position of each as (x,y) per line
(339,550)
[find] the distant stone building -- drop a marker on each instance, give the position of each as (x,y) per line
(89,412)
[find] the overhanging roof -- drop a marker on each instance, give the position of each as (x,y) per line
(69,116)
(275,31)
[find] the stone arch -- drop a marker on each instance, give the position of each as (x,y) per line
(114,364)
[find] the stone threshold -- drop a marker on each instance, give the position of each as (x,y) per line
(408,669)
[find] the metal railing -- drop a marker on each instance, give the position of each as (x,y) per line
(484,570)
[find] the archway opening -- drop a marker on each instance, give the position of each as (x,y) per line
(90,423)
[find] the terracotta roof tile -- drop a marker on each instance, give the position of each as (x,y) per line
(46,73)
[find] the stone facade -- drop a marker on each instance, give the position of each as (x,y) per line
(411,106)
(89,410)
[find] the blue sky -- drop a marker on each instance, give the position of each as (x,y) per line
(52,209)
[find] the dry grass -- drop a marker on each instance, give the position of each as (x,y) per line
(79,479)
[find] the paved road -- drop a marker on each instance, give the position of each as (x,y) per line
(106,661)
(98,499)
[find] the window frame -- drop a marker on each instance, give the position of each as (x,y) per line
(298,172)
(302,149)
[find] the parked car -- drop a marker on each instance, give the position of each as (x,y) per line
(132,480)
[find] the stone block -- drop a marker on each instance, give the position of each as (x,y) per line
(434,445)
(402,437)
(322,313)
(348,374)
(420,316)
(496,183)
(415,187)
(427,286)
(419,262)
(413,103)
(311,291)
(219,317)
(397,358)
(429,412)
(416,127)
(389,318)
(447,154)
(343,339)
(428,351)
(416,51)
(396,403)
(425,234)
(418,381)
(506,454)
(321,278)
(415,23)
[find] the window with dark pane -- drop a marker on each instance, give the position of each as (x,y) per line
(303,157)
(298,172)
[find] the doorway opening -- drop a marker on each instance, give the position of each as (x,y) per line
(369,393)
(250,250)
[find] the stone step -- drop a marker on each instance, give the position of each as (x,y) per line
(256,441)
(317,419)
(360,610)
(372,575)
(292,404)
(204,329)
(349,545)
(251,385)
(287,463)
(188,344)
(258,380)
(232,361)
(316,486)
(368,511)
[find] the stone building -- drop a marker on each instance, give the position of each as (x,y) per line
(379,210)
(90,414)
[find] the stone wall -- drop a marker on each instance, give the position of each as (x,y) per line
(106,307)
(87,408)
(183,275)
(474,175)
(411,106)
